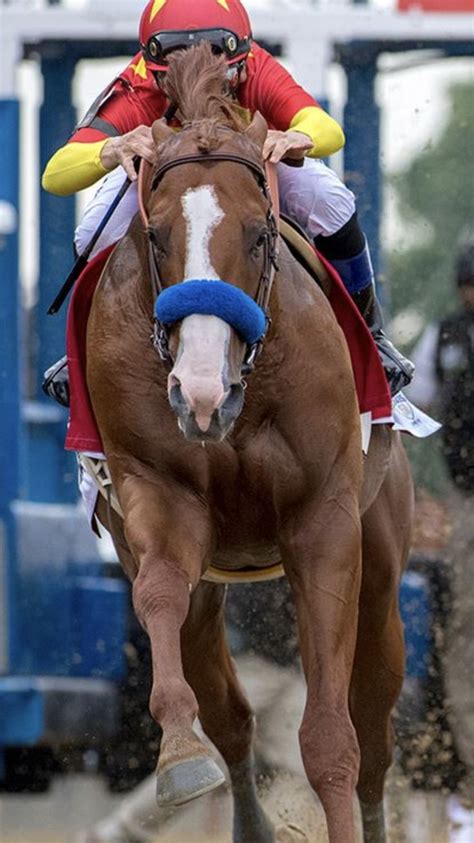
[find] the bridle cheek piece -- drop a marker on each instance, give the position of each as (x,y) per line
(160,336)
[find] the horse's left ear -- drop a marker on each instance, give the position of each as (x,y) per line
(161,131)
(257,131)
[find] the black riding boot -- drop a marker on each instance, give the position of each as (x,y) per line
(399,370)
(56,382)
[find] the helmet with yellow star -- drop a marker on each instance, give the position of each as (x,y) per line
(168,25)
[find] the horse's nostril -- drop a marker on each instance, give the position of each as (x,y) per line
(234,402)
(176,399)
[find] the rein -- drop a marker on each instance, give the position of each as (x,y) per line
(264,178)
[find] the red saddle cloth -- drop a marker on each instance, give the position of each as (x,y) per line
(83,434)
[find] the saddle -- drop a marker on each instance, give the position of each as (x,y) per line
(303,251)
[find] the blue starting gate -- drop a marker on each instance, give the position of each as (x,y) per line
(62,619)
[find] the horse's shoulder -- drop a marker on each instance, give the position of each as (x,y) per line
(125,262)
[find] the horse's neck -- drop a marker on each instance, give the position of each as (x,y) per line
(135,245)
(296,293)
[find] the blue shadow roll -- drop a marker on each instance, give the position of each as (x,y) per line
(212,298)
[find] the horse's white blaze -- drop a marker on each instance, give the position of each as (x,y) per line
(201,365)
(201,362)
(202,213)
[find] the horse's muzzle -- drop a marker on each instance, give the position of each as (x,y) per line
(222,419)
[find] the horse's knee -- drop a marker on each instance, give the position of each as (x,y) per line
(330,754)
(160,588)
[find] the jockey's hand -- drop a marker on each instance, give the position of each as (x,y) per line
(123,150)
(288,144)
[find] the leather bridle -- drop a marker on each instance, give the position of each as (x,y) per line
(160,335)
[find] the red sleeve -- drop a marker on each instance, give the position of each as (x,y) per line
(270,89)
(134,100)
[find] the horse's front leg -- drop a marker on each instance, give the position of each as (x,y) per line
(321,547)
(169,535)
(224,710)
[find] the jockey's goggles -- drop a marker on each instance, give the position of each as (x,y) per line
(222,41)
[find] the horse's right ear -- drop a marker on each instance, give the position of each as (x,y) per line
(257,131)
(161,131)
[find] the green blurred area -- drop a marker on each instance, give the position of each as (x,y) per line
(435,197)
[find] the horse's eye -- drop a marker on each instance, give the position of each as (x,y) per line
(159,240)
(259,243)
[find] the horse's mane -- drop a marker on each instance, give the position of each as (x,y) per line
(196,83)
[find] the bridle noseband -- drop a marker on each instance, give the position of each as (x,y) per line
(160,335)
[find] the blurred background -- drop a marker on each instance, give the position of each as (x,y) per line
(398,74)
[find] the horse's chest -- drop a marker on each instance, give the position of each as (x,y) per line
(243,515)
(246,531)
(249,500)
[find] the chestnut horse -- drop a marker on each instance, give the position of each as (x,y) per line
(205,477)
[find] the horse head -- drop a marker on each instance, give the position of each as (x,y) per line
(212,243)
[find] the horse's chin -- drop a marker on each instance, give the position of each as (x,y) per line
(222,420)
(193,433)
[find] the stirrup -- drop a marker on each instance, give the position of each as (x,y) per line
(56,382)
(399,370)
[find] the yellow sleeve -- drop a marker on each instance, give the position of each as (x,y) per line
(74,167)
(325,133)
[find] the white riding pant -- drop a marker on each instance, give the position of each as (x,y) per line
(312,195)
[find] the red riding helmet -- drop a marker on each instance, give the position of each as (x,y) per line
(168,25)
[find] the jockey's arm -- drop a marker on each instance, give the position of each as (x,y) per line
(78,165)
(288,108)
(116,129)
(74,167)
(325,133)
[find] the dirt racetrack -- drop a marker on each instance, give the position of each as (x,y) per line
(76,802)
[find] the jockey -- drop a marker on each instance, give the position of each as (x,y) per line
(117,128)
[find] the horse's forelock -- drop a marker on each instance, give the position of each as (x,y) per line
(196,82)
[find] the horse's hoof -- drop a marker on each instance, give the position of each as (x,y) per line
(187,780)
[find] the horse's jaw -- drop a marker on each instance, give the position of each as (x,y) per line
(210,426)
